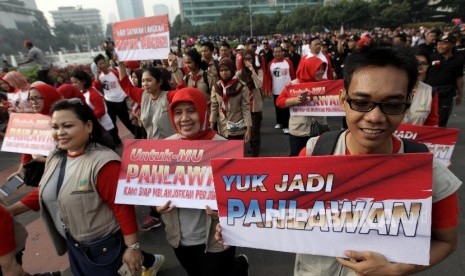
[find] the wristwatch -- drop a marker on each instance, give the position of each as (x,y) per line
(135,246)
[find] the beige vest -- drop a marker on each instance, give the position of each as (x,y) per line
(86,216)
(172,223)
(421,105)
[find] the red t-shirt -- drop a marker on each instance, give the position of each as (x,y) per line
(108,179)
(7,233)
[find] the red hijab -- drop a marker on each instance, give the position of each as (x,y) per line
(17,80)
(308,70)
(194,96)
(69,91)
(49,95)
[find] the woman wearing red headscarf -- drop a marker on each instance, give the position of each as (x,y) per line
(41,97)
(191,231)
(312,70)
(21,87)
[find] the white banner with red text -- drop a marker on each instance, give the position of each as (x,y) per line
(323,95)
(155,171)
(28,133)
(326,205)
(142,38)
(440,141)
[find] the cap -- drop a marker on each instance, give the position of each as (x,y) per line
(240,47)
(27,43)
(447,38)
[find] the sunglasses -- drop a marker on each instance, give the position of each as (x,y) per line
(388,108)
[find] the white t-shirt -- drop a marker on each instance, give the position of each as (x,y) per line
(111,88)
(280,75)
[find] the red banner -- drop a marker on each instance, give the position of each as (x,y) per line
(155,171)
(142,38)
(440,141)
(324,98)
(362,203)
(28,133)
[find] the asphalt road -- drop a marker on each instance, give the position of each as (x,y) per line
(263,262)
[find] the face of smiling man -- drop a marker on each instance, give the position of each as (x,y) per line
(370,132)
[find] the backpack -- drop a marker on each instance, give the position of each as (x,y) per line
(326,144)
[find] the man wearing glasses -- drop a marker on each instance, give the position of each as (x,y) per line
(378,91)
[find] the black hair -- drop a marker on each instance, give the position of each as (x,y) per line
(421,52)
(84,77)
(209,45)
(401,58)
(138,73)
(99,57)
(157,73)
(85,114)
(402,36)
(225,44)
(3,96)
(278,46)
(197,59)
(252,53)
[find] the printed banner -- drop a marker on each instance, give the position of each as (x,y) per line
(440,141)
(155,171)
(28,133)
(310,205)
(324,98)
(142,38)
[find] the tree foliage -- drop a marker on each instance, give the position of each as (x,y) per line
(358,14)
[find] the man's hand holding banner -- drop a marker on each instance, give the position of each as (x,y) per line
(307,205)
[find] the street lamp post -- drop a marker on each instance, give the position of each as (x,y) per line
(250,18)
(87,38)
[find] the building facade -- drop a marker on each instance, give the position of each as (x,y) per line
(199,12)
(19,14)
(90,19)
(130,9)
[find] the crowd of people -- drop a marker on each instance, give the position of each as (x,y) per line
(214,92)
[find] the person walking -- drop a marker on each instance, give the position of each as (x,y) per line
(36,55)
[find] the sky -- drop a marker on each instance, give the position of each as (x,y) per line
(106,7)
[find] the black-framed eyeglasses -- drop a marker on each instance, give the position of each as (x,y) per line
(35,99)
(423,64)
(388,108)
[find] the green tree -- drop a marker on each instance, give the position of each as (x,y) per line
(68,34)
(394,15)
